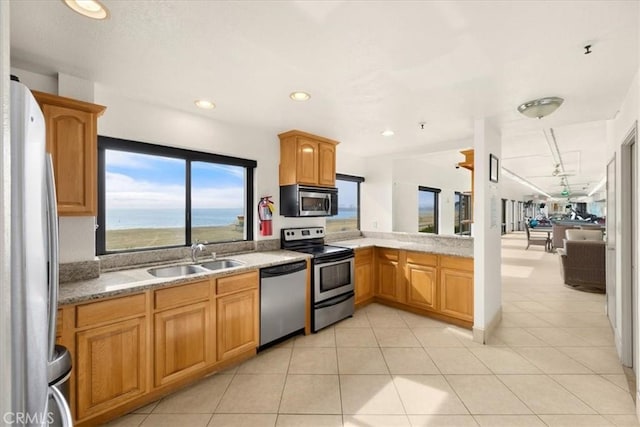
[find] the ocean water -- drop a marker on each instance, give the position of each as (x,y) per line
(122,219)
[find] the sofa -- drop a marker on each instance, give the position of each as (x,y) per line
(583,260)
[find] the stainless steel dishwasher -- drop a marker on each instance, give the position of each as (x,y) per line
(283,297)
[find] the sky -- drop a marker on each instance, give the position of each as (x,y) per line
(144,181)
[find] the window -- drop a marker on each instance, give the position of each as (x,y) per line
(428,209)
(462,221)
(152,196)
(348,217)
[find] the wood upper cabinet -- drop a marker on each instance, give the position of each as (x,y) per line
(421,273)
(111,360)
(307,159)
(364,283)
(71,132)
(237,311)
(456,287)
(387,275)
(327,164)
(183,335)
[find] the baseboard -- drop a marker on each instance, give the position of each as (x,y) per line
(482,335)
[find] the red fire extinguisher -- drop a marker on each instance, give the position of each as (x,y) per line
(265,215)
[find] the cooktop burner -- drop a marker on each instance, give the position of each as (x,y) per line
(310,241)
(323,250)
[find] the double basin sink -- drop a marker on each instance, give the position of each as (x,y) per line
(185,270)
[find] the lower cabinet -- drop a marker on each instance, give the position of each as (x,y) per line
(182,339)
(387,283)
(131,350)
(183,334)
(363,275)
(456,287)
(238,316)
(110,365)
(428,283)
(421,273)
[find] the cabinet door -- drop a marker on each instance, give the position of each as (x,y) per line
(363,275)
(110,366)
(421,286)
(71,140)
(387,275)
(237,323)
(182,341)
(456,293)
(327,167)
(307,161)
(363,282)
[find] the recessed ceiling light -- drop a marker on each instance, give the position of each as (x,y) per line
(205,104)
(299,96)
(387,132)
(90,8)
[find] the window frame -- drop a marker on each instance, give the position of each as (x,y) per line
(460,195)
(189,156)
(358,180)
(436,208)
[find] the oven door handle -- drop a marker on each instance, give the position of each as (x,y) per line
(332,259)
(334,301)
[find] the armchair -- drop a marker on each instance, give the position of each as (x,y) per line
(583,260)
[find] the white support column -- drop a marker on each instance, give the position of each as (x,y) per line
(486,232)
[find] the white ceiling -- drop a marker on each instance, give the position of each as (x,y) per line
(369,66)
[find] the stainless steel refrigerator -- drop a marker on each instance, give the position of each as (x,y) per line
(40,369)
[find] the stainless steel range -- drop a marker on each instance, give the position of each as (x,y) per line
(332,297)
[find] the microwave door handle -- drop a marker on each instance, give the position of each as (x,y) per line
(327,204)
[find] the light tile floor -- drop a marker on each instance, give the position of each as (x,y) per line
(550,362)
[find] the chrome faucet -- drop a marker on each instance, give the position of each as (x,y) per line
(195,249)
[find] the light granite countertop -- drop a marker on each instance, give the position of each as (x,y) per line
(443,246)
(139,279)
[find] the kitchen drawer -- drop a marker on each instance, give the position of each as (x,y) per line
(110,310)
(181,295)
(387,254)
(421,258)
(456,263)
(363,255)
(237,282)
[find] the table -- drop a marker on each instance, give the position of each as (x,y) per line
(546,229)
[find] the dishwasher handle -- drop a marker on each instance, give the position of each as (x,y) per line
(281,270)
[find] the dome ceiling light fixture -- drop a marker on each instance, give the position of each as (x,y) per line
(90,8)
(539,108)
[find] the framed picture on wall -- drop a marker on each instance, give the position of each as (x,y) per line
(493,168)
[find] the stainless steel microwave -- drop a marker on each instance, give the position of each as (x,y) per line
(301,200)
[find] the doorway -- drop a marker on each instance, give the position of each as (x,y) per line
(626,249)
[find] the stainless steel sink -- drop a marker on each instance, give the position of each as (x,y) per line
(176,270)
(221,263)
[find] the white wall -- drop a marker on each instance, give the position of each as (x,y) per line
(408,174)
(376,197)
(37,81)
(486,232)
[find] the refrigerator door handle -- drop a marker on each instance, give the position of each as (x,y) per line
(52,217)
(65,411)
